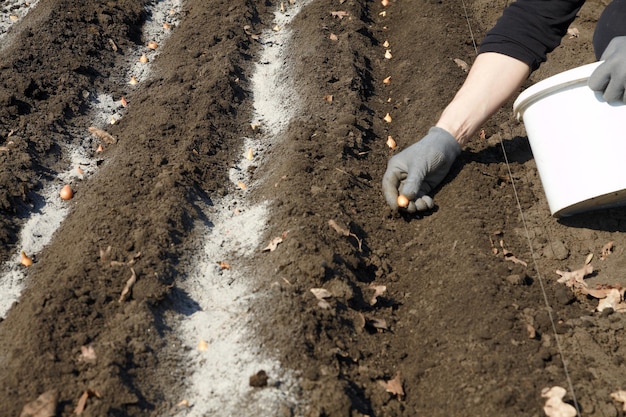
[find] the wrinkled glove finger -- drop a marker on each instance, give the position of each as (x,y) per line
(614,91)
(391,182)
(600,78)
(412,185)
(424,203)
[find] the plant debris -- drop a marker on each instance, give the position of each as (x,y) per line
(128,287)
(339,13)
(258,380)
(620,396)
(378,291)
(554,406)
(573,33)
(607,249)
(393,386)
(82,401)
(344,231)
(321,294)
(575,279)
(87,354)
(102,135)
(462,64)
(271,247)
(44,406)
(508,255)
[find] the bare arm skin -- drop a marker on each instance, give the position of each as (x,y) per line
(492,80)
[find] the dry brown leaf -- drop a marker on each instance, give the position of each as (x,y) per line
(462,64)
(607,249)
(394,386)
(614,299)
(575,278)
(573,33)
(508,255)
(82,401)
(378,324)
(620,396)
(44,406)
(102,135)
(339,13)
(128,287)
(273,244)
(554,406)
(105,255)
(87,354)
(378,291)
(344,231)
(321,293)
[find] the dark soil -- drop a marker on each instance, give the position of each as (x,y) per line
(456,311)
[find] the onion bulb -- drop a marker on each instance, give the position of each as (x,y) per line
(66,192)
(387,118)
(143,59)
(153,45)
(166,26)
(385,3)
(25,259)
(403,201)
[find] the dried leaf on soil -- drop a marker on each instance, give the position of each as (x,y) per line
(393,386)
(614,300)
(620,396)
(343,231)
(508,255)
(554,406)
(87,354)
(376,323)
(128,287)
(271,247)
(575,278)
(462,64)
(102,135)
(82,401)
(378,291)
(44,406)
(339,13)
(321,293)
(607,249)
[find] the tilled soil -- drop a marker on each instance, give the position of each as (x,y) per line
(454,321)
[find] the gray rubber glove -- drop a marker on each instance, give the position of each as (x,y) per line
(610,77)
(418,169)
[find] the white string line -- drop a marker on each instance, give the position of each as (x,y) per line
(530,246)
(540,278)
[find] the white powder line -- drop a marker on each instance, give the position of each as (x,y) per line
(12,12)
(48,210)
(219,317)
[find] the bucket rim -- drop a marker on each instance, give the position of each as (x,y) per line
(578,75)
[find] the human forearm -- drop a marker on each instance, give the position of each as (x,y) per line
(491,81)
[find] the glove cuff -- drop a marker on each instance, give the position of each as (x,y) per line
(448,143)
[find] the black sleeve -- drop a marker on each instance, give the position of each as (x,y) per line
(529,29)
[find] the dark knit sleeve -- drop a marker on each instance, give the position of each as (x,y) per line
(530,29)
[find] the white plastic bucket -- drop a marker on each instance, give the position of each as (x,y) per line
(578,141)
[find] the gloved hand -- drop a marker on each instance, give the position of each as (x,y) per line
(421,167)
(610,77)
